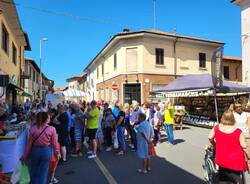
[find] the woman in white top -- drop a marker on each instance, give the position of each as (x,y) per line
(242,119)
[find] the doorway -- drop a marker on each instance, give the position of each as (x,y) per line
(132,92)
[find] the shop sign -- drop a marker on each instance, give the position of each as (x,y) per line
(199,120)
(189,93)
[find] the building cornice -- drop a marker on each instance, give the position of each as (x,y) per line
(153,33)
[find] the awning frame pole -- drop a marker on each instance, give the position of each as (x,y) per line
(216,106)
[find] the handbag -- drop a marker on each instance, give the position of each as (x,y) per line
(152,151)
(24,175)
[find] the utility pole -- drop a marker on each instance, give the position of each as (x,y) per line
(41,78)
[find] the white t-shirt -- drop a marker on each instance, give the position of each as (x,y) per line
(241,122)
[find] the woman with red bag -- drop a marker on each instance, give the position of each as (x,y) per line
(144,133)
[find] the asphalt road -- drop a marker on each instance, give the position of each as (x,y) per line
(179,164)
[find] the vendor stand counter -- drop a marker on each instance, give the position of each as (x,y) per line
(12,147)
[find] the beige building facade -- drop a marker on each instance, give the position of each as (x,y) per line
(14,42)
(32,83)
(245,38)
(144,61)
(232,69)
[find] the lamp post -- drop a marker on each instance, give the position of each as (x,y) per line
(41,78)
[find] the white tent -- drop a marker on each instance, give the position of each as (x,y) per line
(54,99)
(74,93)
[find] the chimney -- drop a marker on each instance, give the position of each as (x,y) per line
(126,30)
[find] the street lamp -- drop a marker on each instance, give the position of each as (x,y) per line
(41,79)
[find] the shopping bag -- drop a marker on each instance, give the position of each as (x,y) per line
(15,177)
(24,174)
(152,151)
(115,140)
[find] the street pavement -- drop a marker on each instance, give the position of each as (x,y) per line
(179,164)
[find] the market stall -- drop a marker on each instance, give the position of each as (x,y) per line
(72,95)
(12,146)
(202,101)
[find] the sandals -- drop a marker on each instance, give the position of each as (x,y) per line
(142,171)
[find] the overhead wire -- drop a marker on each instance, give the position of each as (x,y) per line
(98,21)
(66,14)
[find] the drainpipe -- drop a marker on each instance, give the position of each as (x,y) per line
(236,74)
(20,70)
(20,59)
(175,58)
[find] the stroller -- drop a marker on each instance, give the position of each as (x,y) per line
(211,173)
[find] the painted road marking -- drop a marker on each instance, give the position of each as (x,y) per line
(105,171)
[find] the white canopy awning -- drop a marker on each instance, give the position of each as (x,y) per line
(72,93)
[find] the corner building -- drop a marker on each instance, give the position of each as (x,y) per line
(143,61)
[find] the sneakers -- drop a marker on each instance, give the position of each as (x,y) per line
(53,181)
(92,156)
(89,152)
(120,153)
(76,154)
(109,149)
(131,146)
(133,150)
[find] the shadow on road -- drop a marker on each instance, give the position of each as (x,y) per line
(165,139)
(124,170)
(178,141)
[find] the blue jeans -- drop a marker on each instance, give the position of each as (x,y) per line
(40,158)
(170,133)
(121,137)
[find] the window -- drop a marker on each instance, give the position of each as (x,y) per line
(102,69)
(92,83)
(202,60)
(107,94)
(97,72)
(14,53)
(159,56)
(5,39)
(30,73)
(226,72)
(34,76)
(115,61)
(37,77)
(131,59)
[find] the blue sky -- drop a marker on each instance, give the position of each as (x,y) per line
(73,42)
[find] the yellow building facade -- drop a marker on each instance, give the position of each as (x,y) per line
(13,43)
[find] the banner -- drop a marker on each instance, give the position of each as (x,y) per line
(189,93)
(216,65)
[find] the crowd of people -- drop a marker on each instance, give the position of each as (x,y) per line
(55,133)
